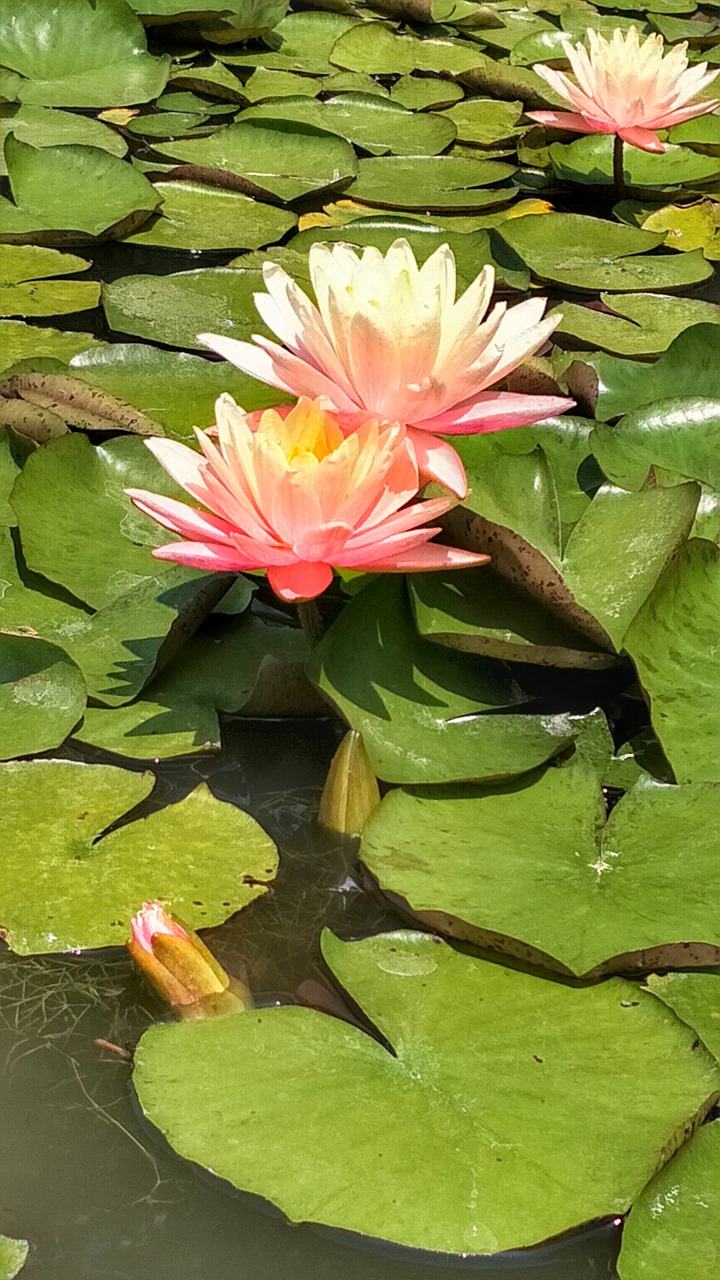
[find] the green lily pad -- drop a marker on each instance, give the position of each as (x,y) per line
(215,80)
(469,1051)
(43,127)
(634,324)
(695,226)
(301,42)
(418,93)
(675,644)
(431,182)
(511,514)
(372,123)
(78,54)
(77,526)
(589,255)
(483,122)
(26,291)
(590,160)
(170,124)
(174,389)
(500,80)
(477,611)
(196,216)
(598,895)
(13,1256)
(70,193)
(695,998)
(671,441)
(65,889)
(425,715)
(265,85)
(173,309)
(14,450)
(676,1220)
(42,695)
(216,671)
(691,363)
(285,158)
(20,341)
(373,48)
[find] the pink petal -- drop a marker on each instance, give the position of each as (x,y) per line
(279,368)
(438,461)
(409,518)
(645,139)
(430,556)
(179,517)
(564,120)
(496,411)
(300,581)
(203,555)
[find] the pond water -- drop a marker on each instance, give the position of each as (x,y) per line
(88,1180)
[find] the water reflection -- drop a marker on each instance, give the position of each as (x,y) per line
(95,1189)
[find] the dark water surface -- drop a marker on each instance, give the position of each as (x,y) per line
(88,1181)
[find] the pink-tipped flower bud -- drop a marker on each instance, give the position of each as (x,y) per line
(174,959)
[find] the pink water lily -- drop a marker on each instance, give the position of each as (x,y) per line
(389,338)
(289,493)
(627,87)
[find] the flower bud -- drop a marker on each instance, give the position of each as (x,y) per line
(351,791)
(177,963)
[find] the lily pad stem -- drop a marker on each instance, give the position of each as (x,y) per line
(311,621)
(618,171)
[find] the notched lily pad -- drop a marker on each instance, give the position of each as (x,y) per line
(537,871)
(198,216)
(487,1076)
(66,886)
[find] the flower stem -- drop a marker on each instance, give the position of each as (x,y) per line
(311,621)
(618,169)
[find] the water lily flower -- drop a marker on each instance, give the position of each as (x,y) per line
(627,87)
(174,960)
(295,496)
(388,338)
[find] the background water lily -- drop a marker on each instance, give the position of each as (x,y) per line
(627,87)
(295,497)
(389,338)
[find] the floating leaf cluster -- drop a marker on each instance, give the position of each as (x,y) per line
(545,728)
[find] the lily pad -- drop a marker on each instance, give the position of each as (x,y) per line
(216,671)
(13,1256)
(676,1220)
(285,158)
(431,182)
(675,644)
(477,611)
(633,324)
(500,80)
(695,998)
(598,895)
(301,42)
(195,215)
(83,53)
(372,123)
(26,291)
(690,364)
(469,1049)
(43,127)
(483,122)
(216,80)
(425,715)
(42,695)
(173,388)
(511,514)
(66,886)
(418,93)
(77,526)
(671,441)
(373,48)
(70,193)
(688,227)
(19,341)
(590,160)
(174,309)
(588,254)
